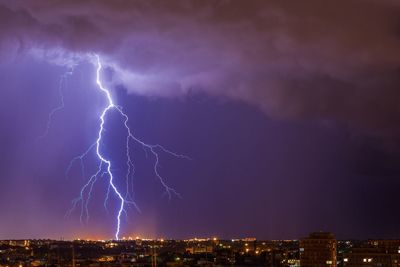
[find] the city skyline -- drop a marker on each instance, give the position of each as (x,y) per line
(318,249)
(231,119)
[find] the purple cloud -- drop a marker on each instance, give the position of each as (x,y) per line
(317,60)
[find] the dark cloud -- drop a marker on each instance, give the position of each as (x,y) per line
(319,60)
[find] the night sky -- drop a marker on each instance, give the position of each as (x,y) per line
(288,110)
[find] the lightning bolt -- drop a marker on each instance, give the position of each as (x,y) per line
(105,165)
(63,80)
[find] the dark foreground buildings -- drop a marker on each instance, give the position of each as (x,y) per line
(383,253)
(318,249)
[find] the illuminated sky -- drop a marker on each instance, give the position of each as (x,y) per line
(289,111)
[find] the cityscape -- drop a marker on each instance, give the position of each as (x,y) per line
(208,133)
(318,249)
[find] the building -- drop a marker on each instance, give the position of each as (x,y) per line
(317,250)
(391,246)
(199,249)
(371,257)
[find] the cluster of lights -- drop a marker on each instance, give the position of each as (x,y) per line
(367,260)
(196,239)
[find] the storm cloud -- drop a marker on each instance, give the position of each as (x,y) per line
(324,60)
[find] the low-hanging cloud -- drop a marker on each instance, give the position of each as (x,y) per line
(324,60)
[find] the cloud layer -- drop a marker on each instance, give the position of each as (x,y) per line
(316,59)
